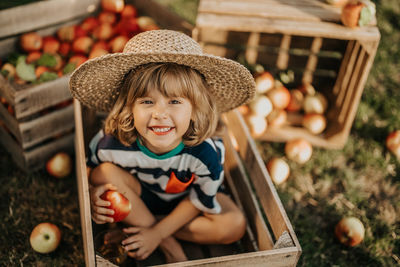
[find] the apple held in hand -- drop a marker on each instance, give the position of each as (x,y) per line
(60,165)
(45,237)
(350,231)
(119,203)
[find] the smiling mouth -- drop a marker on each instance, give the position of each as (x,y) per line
(161,130)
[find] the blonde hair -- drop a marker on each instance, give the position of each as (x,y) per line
(171,80)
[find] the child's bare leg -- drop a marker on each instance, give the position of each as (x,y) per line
(224,228)
(140,216)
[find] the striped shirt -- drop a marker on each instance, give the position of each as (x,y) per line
(196,171)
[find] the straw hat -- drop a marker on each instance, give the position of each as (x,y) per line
(96,82)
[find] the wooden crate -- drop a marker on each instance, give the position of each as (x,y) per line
(41,122)
(303,36)
(270,240)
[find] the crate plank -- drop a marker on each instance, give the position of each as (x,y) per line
(34,16)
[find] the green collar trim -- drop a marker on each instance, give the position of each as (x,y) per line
(169,154)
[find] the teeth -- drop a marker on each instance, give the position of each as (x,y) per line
(161,130)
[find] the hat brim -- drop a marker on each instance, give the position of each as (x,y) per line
(96,82)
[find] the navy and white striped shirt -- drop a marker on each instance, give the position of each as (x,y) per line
(196,171)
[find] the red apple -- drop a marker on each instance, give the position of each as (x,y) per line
(50,45)
(128,11)
(82,45)
(118,43)
(65,48)
(296,100)
(264,82)
(127,26)
(40,70)
(244,109)
(107,17)
(115,6)
(279,96)
(350,231)
(307,89)
(298,150)
(59,165)
(89,24)
(31,42)
(77,60)
(393,143)
(315,123)
(45,237)
(33,56)
(66,33)
(278,169)
(97,52)
(103,32)
(101,44)
(119,203)
(358,13)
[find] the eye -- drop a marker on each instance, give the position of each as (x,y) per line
(175,101)
(145,101)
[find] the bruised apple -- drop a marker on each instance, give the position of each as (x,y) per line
(59,165)
(45,237)
(350,231)
(119,203)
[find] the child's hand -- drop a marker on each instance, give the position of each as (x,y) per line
(98,205)
(142,242)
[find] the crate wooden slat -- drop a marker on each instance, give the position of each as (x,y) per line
(302,36)
(32,17)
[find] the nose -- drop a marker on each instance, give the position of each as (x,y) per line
(159,112)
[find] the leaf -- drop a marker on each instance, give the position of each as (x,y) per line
(25,71)
(70,67)
(47,76)
(47,60)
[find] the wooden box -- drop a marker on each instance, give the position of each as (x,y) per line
(41,122)
(305,37)
(269,240)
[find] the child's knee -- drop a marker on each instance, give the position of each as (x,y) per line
(102,174)
(232,228)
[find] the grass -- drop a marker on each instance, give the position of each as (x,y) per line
(361,180)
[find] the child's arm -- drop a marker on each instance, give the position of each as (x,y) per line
(99,206)
(146,240)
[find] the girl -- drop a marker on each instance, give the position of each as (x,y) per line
(164,98)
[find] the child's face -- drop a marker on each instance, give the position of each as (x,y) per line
(161,121)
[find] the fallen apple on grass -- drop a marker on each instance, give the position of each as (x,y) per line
(298,150)
(59,165)
(119,203)
(45,237)
(350,231)
(278,169)
(393,143)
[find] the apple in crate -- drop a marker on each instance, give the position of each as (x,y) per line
(45,237)
(59,165)
(119,203)
(31,42)
(115,6)
(350,231)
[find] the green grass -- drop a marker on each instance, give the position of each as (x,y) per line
(361,180)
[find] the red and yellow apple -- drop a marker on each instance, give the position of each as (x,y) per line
(279,96)
(298,150)
(59,165)
(119,203)
(115,6)
(50,45)
(31,42)
(315,103)
(45,237)
(296,101)
(350,231)
(82,45)
(314,122)
(393,143)
(264,82)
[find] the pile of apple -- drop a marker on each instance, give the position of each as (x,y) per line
(355,13)
(44,58)
(274,101)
